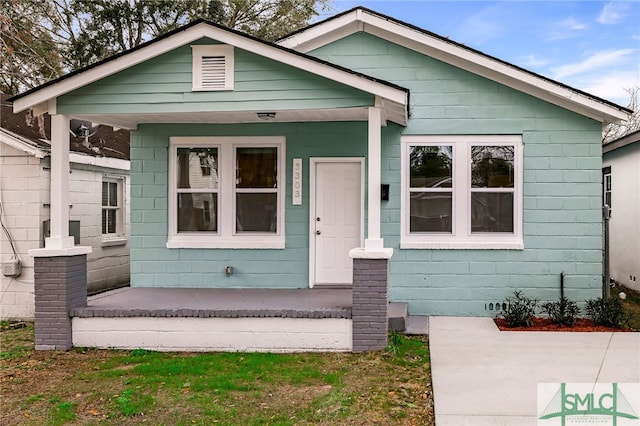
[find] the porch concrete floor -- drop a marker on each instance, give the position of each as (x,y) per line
(130,298)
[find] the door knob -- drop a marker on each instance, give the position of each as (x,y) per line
(318,232)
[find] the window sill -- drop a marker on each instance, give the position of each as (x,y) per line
(112,242)
(228,243)
(423,244)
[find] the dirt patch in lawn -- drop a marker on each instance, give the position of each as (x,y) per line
(546,324)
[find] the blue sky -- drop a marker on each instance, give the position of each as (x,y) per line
(590,45)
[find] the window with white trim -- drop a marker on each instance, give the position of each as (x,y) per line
(606,187)
(226,192)
(213,67)
(462,192)
(112,208)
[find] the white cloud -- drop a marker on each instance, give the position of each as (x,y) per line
(567,28)
(607,58)
(534,62)
(572,24)
(613,13)
(611,86)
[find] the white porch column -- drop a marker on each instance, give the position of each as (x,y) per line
(59,226)
(374,242)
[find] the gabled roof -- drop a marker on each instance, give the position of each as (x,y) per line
(39,97)
(625,140)
(456,54)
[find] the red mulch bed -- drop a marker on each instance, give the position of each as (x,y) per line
(545,324)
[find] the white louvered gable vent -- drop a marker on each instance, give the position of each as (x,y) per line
(212,67)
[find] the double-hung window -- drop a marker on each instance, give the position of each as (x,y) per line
(226,192)
(113,227)
(462,192)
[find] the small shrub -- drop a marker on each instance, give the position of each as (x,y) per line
(562,312)
(607,312)
(395,341)
(520,310)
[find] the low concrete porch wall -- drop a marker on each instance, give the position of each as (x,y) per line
(234,320)
(257,334)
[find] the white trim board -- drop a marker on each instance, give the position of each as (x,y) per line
(439,48)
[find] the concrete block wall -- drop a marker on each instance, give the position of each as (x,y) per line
(153,265)
(21,198)
(370,303)
(25,197)
(562,185)
(107,264)
(61,285)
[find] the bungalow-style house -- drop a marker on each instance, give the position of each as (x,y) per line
(360,156)
(98,203)
(621,184)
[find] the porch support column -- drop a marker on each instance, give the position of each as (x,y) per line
(371,263)
(60,267)
(374,242)
(59,226)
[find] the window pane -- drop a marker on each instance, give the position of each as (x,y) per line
(109,221)
(256,212)
(197,168)
(197,212)
(257,167)
(491,212)
(430,212)
(492,166)
(113,194)
(105,194)
(430,166)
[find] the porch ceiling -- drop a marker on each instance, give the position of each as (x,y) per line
(131,121)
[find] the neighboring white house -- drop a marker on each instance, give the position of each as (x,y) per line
(99,202)
(621,176)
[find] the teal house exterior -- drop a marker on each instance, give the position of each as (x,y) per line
(360,149)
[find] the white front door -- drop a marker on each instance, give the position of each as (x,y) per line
(336,216)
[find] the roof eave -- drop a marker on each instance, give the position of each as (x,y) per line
(41,97)
(407,35)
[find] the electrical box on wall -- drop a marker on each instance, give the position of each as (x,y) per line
(11,268)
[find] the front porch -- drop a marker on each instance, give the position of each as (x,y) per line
(173,319)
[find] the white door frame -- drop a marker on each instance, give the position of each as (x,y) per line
(312,205)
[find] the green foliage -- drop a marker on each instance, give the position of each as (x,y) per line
(520,310)
(42,40)
(395,340)
(607,312)
(563,311)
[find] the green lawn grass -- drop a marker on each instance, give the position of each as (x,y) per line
(87,386)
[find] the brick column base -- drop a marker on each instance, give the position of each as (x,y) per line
(60,285)
(369,305)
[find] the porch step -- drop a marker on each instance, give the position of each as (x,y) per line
(417,325)
(397,314)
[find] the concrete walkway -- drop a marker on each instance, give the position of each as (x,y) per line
(482,376)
